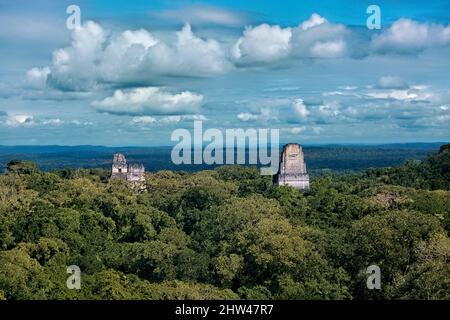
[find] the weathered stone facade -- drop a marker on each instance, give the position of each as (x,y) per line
(130,172)
(292,169)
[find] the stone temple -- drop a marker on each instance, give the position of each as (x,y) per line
(292,169)
(126,171)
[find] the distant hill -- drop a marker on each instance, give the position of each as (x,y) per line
(431,173)
(318,158)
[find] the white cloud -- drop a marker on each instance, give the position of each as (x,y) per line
(150,101)
(75,67)
(313,21)
(333,93)
(37,77)
(123,58)
(263,43)
(318,38)
(19,120)
(193,56)
(329,110)
(27,120)
(247,116)
(143,120)
(329,49)
(390,82)
(81,123)
(171,119)
(406,36)
(402,95)
(298,130)
(98,57)
(300,110)
(192,117)
(52,122)
(348,87)
(263,114)
(95,57)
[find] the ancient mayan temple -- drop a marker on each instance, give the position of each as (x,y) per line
(126,171)
(292,169)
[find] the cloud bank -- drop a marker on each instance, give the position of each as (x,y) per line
(98,57)
(150,101)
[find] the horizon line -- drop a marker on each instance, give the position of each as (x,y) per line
(281,143)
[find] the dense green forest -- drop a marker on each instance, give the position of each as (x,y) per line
(226,233)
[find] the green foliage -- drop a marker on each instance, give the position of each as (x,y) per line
(432,173)
(225,234)
(21,167)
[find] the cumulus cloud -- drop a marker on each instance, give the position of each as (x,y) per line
(96,56)
(74,68)
(328,110)
(313,21)
(300,110)
(261,44)
(313,38)
(318,38)
(194,56)
(150,101)
(123,58)
(408,36)
(37,77)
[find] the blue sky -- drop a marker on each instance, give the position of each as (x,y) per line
(134,72)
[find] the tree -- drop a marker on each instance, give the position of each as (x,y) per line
(391,241)
(21,167)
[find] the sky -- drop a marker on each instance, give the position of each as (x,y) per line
(133,72)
